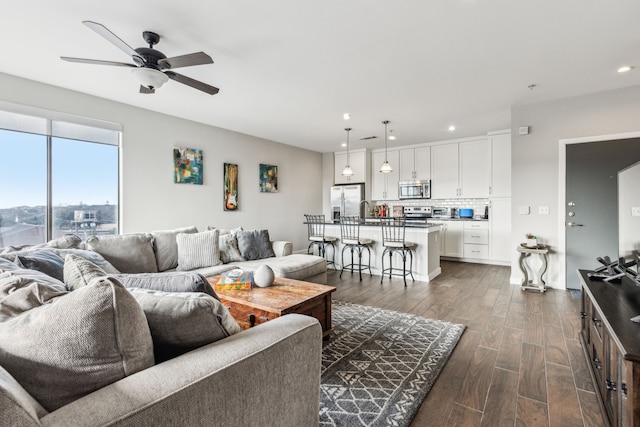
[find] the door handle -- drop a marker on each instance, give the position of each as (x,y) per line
(574,224)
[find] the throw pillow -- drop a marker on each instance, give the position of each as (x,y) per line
(182,321)
(22,289)
(229,251)
(166,248)
(45,261)
(92,256)
(129,253)
(168,281)
(79,272)
(198,250)
(77,343)
(254,244)
(68,241)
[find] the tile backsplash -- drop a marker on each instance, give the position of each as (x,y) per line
(478,205)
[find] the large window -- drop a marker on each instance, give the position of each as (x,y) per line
(57,177)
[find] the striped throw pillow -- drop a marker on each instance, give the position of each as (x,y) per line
(198,250)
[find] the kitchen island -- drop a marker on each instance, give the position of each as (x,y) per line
(426,257)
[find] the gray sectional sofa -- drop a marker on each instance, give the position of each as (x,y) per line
(97,349)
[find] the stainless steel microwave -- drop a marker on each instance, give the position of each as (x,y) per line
(414,189)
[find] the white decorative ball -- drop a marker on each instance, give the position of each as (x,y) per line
(263,276)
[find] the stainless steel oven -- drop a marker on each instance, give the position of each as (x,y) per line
(414,189)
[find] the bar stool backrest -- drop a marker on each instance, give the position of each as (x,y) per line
(350,228)
(392,230)
(315,226)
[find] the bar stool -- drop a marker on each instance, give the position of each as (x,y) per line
(315,227)
(393,230)
(350,236)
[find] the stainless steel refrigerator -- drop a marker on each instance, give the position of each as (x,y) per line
(345,201)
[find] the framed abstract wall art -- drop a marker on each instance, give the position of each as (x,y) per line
(268,178)
(230,187)
(187,166)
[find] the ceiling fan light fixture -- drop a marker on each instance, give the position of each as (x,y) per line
(149,77)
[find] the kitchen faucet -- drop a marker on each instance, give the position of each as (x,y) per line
(368,205)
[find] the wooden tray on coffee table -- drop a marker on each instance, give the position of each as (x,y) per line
(285,296)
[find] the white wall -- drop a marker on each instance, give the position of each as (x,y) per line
(149,198)
(628,197)
(535,160)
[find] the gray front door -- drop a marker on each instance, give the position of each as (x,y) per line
(592,201)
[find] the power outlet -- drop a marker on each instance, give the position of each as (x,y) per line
(635,211)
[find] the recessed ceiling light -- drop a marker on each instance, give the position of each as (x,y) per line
(452,128)
(344,144)
(346,116)
(624,69)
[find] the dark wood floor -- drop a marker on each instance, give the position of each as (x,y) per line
(518,363)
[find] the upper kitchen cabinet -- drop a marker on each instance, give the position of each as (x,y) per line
(444,171)
(500,164)
(415,164)
(475,169)
(461,170)
(360,165)
(384,186)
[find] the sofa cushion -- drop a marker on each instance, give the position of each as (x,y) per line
(254,244)
(167,281)
(229,251)
(45,261)
(294,266)
(77,343)
(92,256)
(79,272)
(166,247)
(182,321)
(198,250)
(129,253)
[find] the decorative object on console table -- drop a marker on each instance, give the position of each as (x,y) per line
(230,187)
(268,178)
(532,241)
(187,166)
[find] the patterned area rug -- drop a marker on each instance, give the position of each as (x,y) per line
(379,365)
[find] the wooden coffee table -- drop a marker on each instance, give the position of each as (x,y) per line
(285,296)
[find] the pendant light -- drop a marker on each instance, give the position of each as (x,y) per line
(347,169)
(386,167)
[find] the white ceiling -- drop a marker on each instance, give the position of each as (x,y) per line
(288,69)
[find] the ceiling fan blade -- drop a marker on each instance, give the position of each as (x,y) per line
(144,89)
(107,34)
(97,62)
(211,90)
(197,58)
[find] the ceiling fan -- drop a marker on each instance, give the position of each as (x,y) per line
(151,66)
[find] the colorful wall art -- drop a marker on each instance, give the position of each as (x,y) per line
(230,187)
(187,166)
(268,178)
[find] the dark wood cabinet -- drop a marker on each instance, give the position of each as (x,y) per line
(611,344)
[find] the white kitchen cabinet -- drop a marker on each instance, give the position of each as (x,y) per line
(461,170)
(476,239)
(475,169)
(415,164)
(444,171)
(359,162)
(500,165)
(500,247)
(452,236)
(384,186)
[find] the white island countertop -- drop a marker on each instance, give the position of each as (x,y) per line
(426,257)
